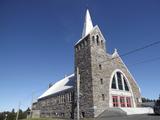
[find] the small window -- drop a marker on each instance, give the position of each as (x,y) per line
(85,42)
(103,97)
(101,81)
(93,39)
(97,39)
(64,98)
(76,49)
(71,115)
(100,66)
(58,99)
(79,47)
(82,45)
(70,97)
(101,42)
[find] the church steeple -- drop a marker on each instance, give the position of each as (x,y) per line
(88,26)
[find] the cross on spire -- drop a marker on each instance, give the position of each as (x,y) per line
(88,26)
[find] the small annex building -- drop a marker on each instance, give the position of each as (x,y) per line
(105,81)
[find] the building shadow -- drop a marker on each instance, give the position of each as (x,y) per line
(153,114)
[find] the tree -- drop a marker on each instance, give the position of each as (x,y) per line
(13,111)
(11,115)
(1,116)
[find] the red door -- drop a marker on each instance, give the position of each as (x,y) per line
(115,101)
(122,101)
(128,101)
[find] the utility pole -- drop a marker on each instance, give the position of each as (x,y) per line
(18,111)
(6,116)
(31,111)
(78,81)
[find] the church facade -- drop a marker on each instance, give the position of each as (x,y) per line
(105,81)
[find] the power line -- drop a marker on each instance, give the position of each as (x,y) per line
(146,61)
(141,48)
(135,50)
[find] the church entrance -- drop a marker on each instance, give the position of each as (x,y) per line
(121,101)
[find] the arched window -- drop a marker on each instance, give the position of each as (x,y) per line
(101,42)
(76,49)
(119,82)
(100,66)
(79,47)
(103,97)
(101,81)
(85,42)
(97,39)
(93,39)
(82,45)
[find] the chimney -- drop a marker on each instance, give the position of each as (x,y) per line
(50,85)
(65,75)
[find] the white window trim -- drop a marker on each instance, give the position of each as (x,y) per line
(122,82)
(117,87)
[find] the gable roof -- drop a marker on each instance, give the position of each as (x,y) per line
(61,85)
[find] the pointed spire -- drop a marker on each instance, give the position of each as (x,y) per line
(88,26)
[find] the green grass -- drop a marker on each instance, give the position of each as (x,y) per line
(44,119)
(54,119)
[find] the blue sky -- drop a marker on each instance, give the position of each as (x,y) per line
(37,39)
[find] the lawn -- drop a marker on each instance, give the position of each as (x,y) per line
(53,119)
(43,119)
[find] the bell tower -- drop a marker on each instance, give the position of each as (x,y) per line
(88,51)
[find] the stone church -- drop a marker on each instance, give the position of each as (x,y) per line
(105,81)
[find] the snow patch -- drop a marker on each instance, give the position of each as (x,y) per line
(64,84)
(132,111)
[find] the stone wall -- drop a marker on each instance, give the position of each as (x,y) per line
(83,62)
(58,105)
(99,72)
